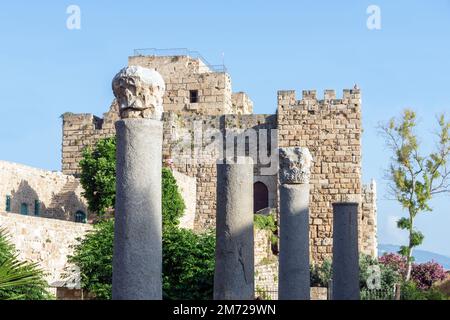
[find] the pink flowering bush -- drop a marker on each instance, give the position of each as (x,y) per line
(424,275)
(395,261)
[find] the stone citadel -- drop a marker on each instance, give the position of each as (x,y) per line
(199,97)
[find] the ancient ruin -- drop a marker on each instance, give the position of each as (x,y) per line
(137,261)
(294,275)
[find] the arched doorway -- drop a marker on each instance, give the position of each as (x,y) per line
(260,196)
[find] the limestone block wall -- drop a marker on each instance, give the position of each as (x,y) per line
(44,241)
(182,132)
(183,74)
(331,129)
(81,131)
(52,194)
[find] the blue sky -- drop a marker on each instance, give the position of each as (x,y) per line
(268,46)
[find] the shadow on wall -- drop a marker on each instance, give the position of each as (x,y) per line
(65,205)
(25,200)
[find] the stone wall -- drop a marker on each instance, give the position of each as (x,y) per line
(43,193)
(331,129)
(44,241)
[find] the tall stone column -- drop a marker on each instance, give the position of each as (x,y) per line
(137,260)
(294,273)
(234,277)
(345,252)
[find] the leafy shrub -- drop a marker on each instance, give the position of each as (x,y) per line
(19,280)
(172,202)
(263,222)
(389,277)
(427,274)
(321,274)
(93,255)
(98,175)
(410,291)
(424,275)
(188,265)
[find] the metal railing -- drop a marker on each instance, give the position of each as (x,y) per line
(174,52)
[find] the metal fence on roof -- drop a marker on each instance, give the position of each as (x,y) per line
(179,52)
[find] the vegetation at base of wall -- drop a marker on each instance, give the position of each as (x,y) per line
(321,274)
(410,291)
(188,258)
(93,255)
(188,264)
(19,280)
(269,223)
(265,222)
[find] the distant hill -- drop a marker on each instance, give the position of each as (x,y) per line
(420,255)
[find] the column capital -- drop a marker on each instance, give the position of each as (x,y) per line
(295,165)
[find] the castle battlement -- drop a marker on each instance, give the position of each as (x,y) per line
(288,99)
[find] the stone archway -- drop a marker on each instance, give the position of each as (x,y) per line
(260,196)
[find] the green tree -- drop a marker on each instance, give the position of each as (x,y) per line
(19,280)
(98,175)
(415,178)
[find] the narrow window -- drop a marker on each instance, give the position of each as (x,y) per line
(80,217)
(8,203)
(37,207)
(24,209)
(193,96)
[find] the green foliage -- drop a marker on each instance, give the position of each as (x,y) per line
(416,178)
(188,265)
(265,222)
(410,291)
(98,175)
(370,268)
(93,255)
(19,280)
(321,274)
(172,202)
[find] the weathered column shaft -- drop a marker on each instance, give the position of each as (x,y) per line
(137,267)
(294,273)
(234,273)
(345,252)
(294,277)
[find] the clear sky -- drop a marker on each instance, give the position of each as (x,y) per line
(48,69)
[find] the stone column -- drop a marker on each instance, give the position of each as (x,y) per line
(294,273)
(234,274)
(345,252)
(137,260)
